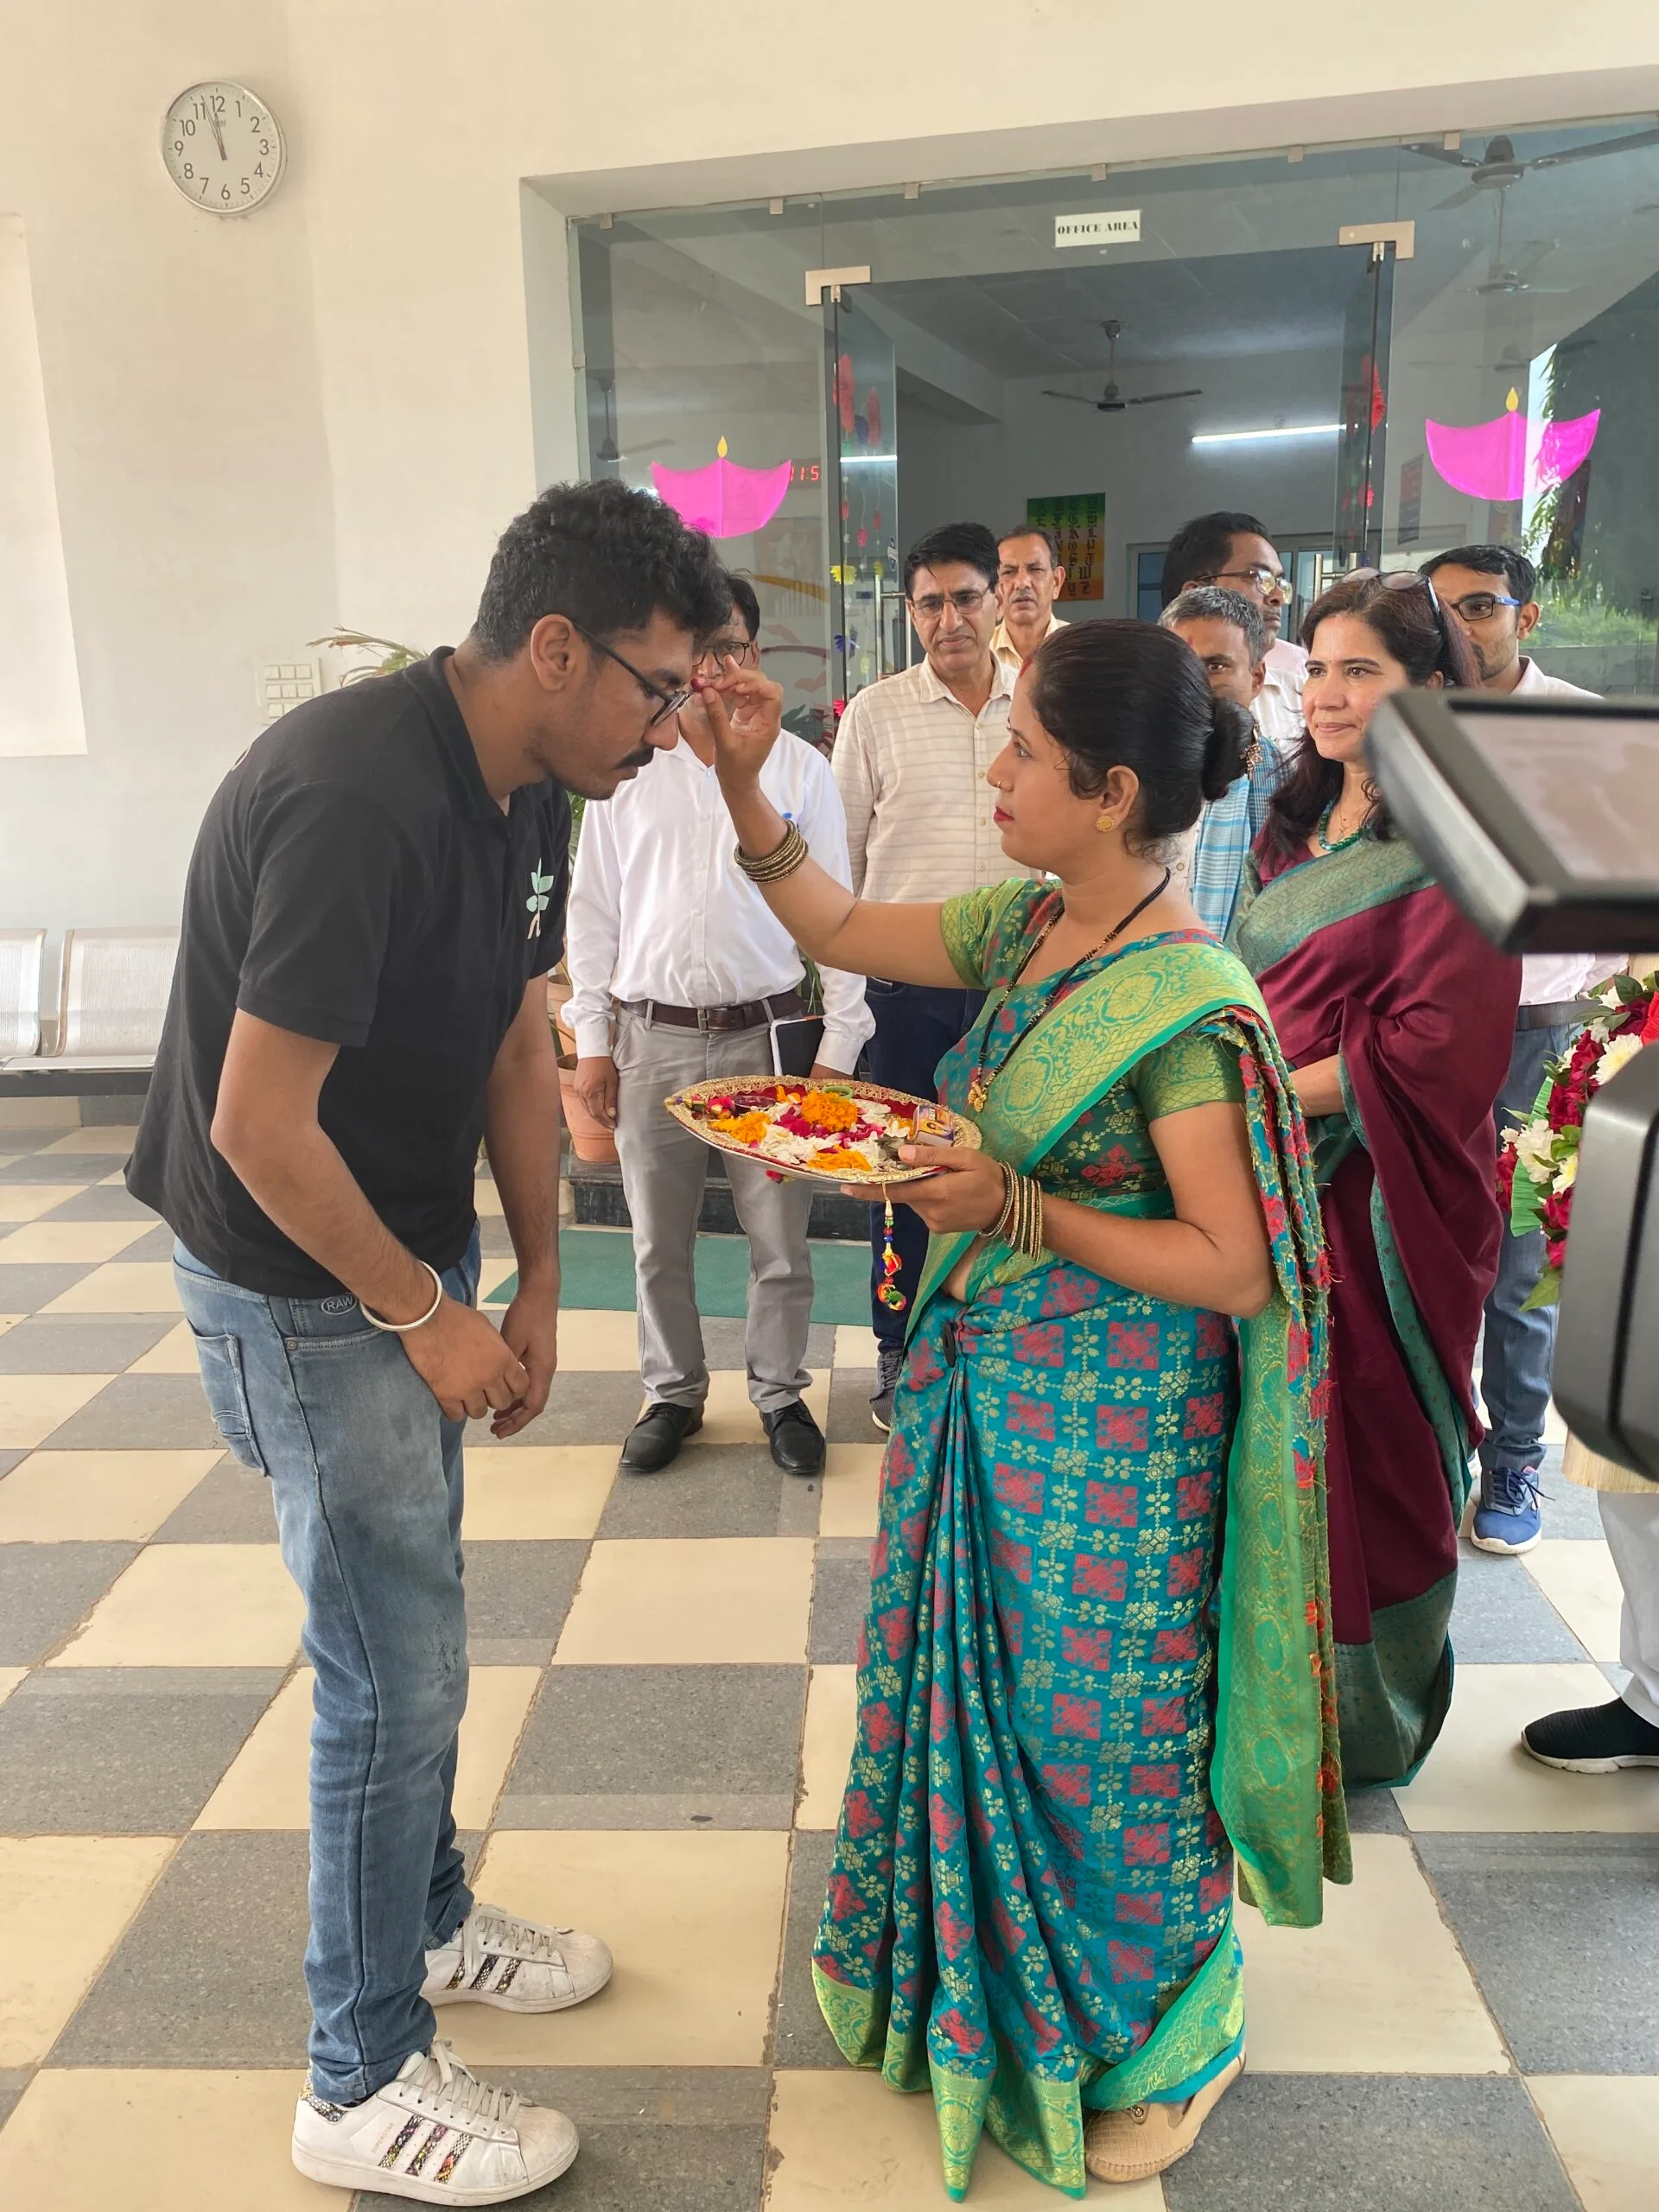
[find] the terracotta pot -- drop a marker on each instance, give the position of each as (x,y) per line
(590,1139)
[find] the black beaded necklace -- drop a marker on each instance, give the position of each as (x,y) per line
(979,1083)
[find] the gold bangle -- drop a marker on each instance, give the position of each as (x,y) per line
(782,859)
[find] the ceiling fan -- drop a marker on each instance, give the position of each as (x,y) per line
(1111,401)
(608,450)
(1497,167)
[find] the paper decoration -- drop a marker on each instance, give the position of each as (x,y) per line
(724,498)
(1515,457)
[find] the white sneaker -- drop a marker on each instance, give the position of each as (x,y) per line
(437,2134)
(492,1959)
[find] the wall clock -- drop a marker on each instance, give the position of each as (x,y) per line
(222,148)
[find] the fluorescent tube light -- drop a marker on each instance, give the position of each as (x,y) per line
(866,460)
(1252,437)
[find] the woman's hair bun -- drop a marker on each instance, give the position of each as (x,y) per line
(1231,729)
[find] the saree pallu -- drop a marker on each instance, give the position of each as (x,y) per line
(1070,1711)
(1359,955)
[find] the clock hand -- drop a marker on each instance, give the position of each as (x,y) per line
(218,133)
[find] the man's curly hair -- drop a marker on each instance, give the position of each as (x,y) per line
(606,557)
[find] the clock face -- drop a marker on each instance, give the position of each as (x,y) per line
(222,148)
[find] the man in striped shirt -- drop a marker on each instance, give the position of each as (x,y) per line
(911,760)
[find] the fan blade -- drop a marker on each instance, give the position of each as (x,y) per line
(1594,153)
(1444,154)
(645,445)
(1152,398)
(1459,198)
(1081,398)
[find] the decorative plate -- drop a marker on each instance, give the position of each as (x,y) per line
(843,1132)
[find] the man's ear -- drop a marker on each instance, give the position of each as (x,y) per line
(559,655)
(1258,678)
(1526,619)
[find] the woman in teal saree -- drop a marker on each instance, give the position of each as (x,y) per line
(1077,1703)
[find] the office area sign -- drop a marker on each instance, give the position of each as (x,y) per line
(1121,227)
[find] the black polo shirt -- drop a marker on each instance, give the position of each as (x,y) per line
(355,881)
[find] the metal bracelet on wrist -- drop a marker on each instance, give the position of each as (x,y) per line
(782,859)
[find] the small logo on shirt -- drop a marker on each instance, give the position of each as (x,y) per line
(535,904)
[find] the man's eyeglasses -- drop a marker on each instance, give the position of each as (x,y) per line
(1481,605)
(745,652)
(930,607)
(1267,581)
(672,700)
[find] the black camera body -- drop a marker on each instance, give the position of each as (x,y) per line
(1540,818)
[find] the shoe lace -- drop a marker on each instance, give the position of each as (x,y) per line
(456,2095)
(1514,1490)
(889,1365)
(490,1930)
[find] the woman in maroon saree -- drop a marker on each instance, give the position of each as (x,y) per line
(1397,1017)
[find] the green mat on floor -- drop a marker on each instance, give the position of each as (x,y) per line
(598,1266)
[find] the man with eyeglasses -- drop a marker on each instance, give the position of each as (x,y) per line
(681,973)
(1233,550)
(911,761)
(1029,578)
(375,898)
(1490,593)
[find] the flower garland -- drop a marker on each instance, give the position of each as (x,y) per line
(1538,1166)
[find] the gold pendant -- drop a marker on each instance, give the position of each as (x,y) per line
(978,1092)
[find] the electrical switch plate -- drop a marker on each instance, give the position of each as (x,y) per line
(282,684)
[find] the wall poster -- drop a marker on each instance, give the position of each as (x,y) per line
(1079,521)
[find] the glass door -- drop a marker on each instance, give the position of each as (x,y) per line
(870,631)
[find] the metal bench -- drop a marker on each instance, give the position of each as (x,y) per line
(111,1000)
(22,960)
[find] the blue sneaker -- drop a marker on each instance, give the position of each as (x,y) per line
(1507,1518)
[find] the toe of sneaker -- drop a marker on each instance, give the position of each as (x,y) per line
(587,1961)
(547,2140)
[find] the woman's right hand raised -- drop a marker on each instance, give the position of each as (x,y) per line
(746,713)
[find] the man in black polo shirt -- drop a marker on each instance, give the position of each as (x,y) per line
(375,895)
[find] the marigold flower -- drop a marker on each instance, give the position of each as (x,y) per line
(747,1129)
(829,1109)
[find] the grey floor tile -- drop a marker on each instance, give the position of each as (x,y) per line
(100,1202)
(209,1972)
(230,1505)
(707,1747)
(849,1418)
(841,1597)
(156,1412)
(711,1489)
(114,1750)
(1376,1812)
(45,1588)
(41,1166)
(800,2037)
(1503,1619)
(583,1407)
(1369,2143)
(10,1457)
(1569,1510)
(519,1593)
(1562,1932)
(26,1289)
(494,1240)
(156,1243)
(13,2082)
(669,2139)
(68,1344)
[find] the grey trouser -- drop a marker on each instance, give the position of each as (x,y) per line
(663,1171)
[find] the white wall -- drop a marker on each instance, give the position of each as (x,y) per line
(323,412)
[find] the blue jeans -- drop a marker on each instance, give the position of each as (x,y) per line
(916,1025)
(1520,1348)
(366,1476)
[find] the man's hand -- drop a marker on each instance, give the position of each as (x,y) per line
(596,1084)
(465,1363)
(530,1328)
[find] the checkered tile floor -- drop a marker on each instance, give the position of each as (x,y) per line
(661,1712)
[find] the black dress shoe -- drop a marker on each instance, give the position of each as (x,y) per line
(797,1440)
(654,1441)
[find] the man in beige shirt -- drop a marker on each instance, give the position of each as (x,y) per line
(911,760)
(1029,578)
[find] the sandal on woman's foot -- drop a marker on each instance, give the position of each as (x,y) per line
(1129,2145)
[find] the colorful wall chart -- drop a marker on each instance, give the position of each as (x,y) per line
(1079,521)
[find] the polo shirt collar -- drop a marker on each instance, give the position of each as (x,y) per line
(1003,679)
(431,686)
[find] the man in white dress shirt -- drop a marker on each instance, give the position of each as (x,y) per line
(1029,578)
(911,760)
(1490,592)
(680,972)
(1234,549)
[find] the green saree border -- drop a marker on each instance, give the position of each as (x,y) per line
(1274,918)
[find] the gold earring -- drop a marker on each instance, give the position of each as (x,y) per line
(1104,823)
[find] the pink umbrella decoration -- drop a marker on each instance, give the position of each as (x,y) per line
(724,498)
(1514,456)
